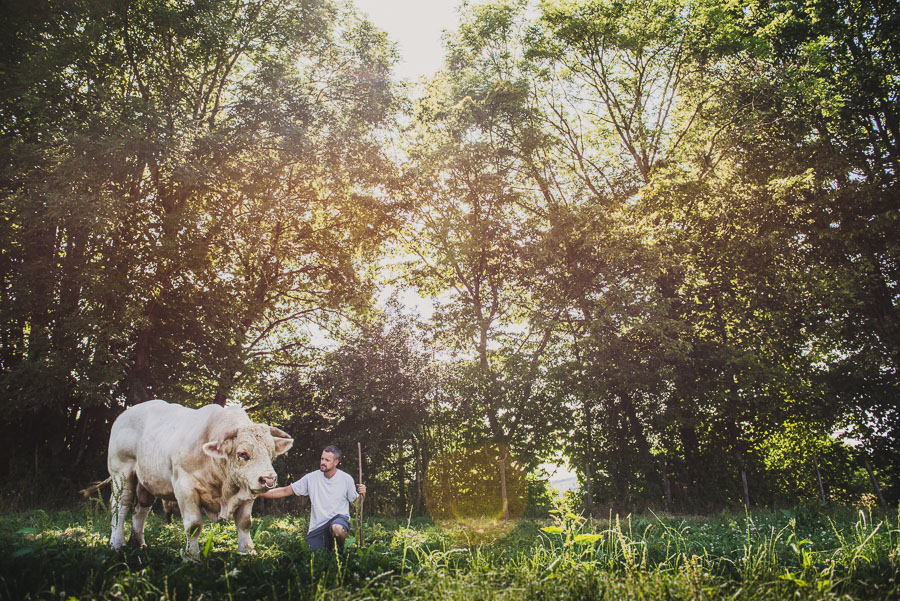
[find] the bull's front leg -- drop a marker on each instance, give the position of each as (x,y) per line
(192,518)
(242,520)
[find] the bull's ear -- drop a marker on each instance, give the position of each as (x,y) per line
(215,450)
(283,440)
(282,445)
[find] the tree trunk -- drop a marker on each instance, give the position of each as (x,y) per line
(80,440)
(418,452)
(401,481)
(819,479)
(667,487)
(875,485)
(224,387)
(141,387)
(637,430)
(746,488)
(881,307)
(504,498)
(689,442)
(616,461)
(589,462)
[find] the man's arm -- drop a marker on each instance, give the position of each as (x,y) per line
(278,493)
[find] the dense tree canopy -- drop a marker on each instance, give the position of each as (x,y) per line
(660,238)
(182,182)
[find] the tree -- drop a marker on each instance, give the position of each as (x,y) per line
(834,63)
(182,183)
(380,388)
(473,230)
(616,89)
(807,186)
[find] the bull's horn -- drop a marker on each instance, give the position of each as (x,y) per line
(228,436)
(277,433)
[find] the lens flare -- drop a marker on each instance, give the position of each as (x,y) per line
(476,493)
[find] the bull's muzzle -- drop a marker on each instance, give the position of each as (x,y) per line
(268,481)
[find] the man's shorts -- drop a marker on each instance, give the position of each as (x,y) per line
(322,537)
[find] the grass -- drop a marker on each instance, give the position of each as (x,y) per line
(798,554)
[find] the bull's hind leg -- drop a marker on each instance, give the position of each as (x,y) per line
(120,500)
(144,501)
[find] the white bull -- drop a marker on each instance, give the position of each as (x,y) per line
(213,458)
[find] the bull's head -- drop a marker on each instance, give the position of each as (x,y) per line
(247,453)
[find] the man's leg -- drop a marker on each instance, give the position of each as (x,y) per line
(340,530)
(324,537)
(318,539)
(339,534)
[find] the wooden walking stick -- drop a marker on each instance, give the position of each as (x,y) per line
(362,498)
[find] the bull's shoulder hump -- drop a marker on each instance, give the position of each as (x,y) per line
(151,406)
(214,409)
(230,414)
(144,412)
(168,411)
(218,420)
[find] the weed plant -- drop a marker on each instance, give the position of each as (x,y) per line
(798,554)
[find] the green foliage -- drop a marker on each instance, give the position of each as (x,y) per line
(754,556)
(184,184)
(377,389)
(660,238)
(467,484)
(791,456)
(707,222)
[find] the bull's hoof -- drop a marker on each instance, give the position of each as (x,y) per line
(250,552)
(136,543)
(190,555)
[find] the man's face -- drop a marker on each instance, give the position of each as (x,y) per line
(328,463)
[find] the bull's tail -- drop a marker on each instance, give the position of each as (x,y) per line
(90,490)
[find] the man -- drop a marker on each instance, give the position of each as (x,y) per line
(330,492)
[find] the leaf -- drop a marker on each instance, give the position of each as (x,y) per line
(27,531)
(553,530)
(208,546)
(588,538)
(22,551)
(795,579)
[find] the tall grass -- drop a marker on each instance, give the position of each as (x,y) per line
(799,554)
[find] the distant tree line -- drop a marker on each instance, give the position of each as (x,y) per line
(660,236)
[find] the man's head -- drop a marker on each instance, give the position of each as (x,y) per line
(331,456)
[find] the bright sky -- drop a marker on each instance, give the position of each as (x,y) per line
(416,26)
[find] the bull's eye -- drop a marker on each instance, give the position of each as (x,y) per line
(243,456)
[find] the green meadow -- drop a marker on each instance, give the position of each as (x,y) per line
(802,553)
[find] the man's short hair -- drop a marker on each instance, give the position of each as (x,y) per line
(334,451)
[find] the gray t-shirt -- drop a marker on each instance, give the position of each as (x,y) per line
(328,496)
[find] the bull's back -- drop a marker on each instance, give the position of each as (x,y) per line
(150,433)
